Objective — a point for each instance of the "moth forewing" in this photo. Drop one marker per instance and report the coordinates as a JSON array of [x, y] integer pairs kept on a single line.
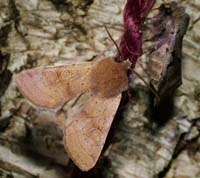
[[85, 131], [85, 134], [50, 87]]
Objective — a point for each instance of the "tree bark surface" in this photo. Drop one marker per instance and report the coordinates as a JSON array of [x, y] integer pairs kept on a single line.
[[49, 32]]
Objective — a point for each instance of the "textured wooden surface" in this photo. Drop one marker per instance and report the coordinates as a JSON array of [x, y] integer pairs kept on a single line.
[[43, 32]]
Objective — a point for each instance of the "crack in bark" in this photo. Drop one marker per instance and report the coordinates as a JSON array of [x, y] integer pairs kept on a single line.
[[182, 145], [5, 74]]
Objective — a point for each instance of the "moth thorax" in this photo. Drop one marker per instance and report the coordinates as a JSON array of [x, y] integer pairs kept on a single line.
[[109, 78]]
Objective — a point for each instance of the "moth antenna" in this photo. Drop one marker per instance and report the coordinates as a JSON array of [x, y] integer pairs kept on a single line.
[[110, 36], [147, 84]]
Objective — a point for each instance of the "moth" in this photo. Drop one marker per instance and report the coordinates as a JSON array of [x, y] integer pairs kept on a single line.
[[86, 130]]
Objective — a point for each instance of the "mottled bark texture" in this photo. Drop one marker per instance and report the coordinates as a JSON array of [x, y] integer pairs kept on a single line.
[[145, 141]]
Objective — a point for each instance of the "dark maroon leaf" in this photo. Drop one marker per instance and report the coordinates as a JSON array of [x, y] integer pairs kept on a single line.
[[135, 12]]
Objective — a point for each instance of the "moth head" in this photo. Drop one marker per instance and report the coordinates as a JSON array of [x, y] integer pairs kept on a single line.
[[110, 78]]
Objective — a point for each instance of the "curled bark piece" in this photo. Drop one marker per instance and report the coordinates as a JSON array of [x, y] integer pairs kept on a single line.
[[164, 66]]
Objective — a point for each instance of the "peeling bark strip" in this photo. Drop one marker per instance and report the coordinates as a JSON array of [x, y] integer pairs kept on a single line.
[[164, 66]]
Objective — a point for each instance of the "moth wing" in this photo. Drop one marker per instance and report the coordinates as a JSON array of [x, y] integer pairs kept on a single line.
[[51, 87], [86, 131]]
